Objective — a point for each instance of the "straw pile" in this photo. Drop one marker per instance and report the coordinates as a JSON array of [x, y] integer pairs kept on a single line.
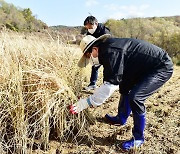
[[39, 78]]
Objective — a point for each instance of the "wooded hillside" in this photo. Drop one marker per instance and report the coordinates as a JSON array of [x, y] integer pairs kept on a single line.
[[162, 31], [18, 19]]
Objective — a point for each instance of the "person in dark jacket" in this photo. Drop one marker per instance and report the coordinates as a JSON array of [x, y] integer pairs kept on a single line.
[[95, 29], [138, 67]]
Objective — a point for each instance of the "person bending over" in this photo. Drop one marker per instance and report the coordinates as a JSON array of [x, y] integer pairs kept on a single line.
[[137, 67]]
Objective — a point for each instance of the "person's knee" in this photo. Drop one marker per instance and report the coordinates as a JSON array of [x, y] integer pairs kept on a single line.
[[137, 104], [133, 97]]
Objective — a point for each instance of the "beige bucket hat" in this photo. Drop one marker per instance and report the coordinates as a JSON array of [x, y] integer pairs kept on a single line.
[[85, 44]]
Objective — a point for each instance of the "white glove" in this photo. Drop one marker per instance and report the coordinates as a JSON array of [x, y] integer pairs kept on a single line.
[[102, 93], [79, 106]]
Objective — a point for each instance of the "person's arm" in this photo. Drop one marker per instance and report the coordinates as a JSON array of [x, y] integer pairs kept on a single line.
[[104, 30], [100, 95], [113, 64], [107, 30]]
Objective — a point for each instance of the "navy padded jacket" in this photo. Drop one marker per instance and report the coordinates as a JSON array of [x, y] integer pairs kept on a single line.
[[127, 60]]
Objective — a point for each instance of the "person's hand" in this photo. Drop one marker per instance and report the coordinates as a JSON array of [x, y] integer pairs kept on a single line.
[[73, 109], [79, 106]]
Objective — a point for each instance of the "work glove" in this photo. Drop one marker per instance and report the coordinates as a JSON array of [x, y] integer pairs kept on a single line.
[[79, 106], [102, 93]]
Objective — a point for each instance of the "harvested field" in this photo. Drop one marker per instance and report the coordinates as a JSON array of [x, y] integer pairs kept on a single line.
[[39, 78]]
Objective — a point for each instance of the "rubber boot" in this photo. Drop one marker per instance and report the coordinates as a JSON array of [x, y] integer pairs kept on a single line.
[[124, 111], [138, 132]]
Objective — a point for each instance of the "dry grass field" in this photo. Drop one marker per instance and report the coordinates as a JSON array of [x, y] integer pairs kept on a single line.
[[39, 78]]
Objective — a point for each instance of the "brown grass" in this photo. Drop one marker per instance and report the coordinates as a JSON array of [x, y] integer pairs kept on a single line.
[[39, 79]]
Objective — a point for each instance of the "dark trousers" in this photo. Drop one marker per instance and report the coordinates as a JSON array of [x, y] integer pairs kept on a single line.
[[94, 74], [146, 87]]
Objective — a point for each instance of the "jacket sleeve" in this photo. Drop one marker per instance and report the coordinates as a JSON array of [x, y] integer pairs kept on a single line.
[[107, 30], [114, 66], [101, 94]]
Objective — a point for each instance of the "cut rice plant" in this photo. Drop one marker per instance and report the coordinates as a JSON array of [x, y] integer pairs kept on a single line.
[[39, 78]]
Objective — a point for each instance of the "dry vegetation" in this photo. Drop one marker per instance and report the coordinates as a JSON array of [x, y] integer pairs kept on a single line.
[[39, 78]]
